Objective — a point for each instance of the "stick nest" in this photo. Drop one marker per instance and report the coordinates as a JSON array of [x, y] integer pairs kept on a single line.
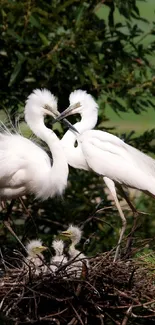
[[108, 293]]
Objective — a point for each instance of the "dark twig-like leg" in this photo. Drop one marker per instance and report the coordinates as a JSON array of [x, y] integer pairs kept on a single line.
[[7, 222], [125, 196], [7, 225], [9, 210], [135, 223], [110, 184]]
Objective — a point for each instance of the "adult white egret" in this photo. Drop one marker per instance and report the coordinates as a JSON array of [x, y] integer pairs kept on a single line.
[[59, 258], [25, 167], [106, 154], [74, 233], [35, 258]]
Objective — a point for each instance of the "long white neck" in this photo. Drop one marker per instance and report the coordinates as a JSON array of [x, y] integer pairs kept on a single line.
[[74, 154], [73, 252], [58, 172]]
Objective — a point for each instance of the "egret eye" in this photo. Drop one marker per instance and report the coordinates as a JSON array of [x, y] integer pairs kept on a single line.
[[75, 144]]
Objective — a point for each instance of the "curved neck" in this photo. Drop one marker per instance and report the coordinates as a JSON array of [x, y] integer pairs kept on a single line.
[[48, 136], [74, 155], [58, 173], [59, 252], [73, 251]]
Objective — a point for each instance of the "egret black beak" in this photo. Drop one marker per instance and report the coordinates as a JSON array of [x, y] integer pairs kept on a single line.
[[56, 116], [68, 111], [69, 125]]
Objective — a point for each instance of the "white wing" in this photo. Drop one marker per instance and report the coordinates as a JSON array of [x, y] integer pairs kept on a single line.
[[22, 164], [109, 156], [18, 152]]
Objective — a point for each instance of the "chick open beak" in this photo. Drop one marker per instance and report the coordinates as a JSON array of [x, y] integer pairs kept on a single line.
[[65, 234], [42, 248], [56, 116], [68, 111]]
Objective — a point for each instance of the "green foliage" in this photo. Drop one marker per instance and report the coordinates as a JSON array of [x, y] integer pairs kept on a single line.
[[65, 45], [147, 259]]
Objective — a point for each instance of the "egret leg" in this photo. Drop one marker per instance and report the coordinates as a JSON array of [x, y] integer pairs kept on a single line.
[[132, 207], [111, 186], [24, 207], [135, 215], [3, 204], [9, 210], [8, 226], [7, 223], [125, 196]]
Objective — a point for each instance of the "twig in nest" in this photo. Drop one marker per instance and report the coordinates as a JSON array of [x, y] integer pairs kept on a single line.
[[114, 321], [73, 321], [77, 315], [127, 315]]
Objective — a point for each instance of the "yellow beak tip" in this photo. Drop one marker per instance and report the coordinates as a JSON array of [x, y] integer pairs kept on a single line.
[[43, 248]]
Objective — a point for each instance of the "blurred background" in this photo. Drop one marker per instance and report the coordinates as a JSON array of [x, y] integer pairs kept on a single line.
[[129, 121], [106, 48]]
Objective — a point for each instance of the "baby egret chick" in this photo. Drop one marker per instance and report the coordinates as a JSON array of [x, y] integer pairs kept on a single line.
[[59, 258], [74, 233], [35, 258]]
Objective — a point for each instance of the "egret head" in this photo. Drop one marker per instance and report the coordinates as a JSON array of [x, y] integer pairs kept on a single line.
[[41, 102], [73, 233], [58, 246], [35, 247], [80, 102]]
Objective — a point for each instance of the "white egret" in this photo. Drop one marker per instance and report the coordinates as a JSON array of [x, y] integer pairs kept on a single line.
[[25, 167], [74, 233], [106, 154], [35, 258], [59, 258]]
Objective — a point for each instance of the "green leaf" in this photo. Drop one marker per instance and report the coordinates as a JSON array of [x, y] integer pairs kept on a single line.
[[66, 4], [35, 22], [3, 116], [25, 130], [57, 127], [44, 39], [16, 70], [79, 15]]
